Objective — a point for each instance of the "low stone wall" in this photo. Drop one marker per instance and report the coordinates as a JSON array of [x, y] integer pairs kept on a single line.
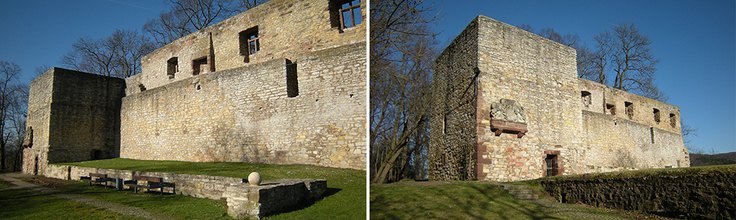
[[243, 200], [699, 193]]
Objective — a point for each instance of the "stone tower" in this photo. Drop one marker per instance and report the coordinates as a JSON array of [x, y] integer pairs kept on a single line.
[[509, 106]]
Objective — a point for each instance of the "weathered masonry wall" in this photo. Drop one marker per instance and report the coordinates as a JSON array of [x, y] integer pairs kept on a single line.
[[286, 29], [245, 114], [693, 193], [74, 116], [453, 136], [624, 105], [539, 76], [508, 106], [613, 143]]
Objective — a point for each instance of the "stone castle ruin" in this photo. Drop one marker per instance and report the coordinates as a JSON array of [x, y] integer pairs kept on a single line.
[[281, 83], [509, 106]]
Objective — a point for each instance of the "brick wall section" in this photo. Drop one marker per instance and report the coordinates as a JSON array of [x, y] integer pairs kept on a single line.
[[72, 114], [541, 77], [245, 115], [453, 136], [278, 22]]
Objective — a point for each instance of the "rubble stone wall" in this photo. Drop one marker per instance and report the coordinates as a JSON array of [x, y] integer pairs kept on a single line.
[[544, 115], [286, 29], [74, 117], [245, 114]]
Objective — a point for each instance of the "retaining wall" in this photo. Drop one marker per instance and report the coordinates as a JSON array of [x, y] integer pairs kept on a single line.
[[243, 200]]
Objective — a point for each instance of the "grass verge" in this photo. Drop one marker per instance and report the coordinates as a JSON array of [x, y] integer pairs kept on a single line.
[[30, 204], [345, 197]]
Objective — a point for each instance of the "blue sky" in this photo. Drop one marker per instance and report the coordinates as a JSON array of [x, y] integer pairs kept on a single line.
[[40, 32], [695, 41]]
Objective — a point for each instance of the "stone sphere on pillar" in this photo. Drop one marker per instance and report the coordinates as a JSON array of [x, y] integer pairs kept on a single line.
[[254, 179]]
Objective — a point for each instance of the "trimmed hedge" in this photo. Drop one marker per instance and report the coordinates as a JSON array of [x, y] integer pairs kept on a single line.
[[696, 192]]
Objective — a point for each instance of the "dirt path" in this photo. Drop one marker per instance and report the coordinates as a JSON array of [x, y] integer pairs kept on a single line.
[[110, 206]]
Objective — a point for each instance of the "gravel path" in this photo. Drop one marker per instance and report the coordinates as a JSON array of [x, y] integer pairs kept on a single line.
[[114, 207]]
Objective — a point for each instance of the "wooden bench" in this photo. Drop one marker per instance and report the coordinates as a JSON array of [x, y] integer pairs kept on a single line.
[[96, 178], [151, 183]]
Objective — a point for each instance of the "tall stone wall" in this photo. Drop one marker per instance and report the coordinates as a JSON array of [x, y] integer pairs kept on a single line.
[[508, 106], [286, 29], [453, 137], [540, 76], [74, 117], [246, 115]]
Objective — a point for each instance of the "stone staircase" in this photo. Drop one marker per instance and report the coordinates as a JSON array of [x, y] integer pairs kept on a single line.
[[520, 192]]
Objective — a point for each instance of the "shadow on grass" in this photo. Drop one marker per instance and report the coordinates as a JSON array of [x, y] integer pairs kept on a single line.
[[455, 201], [305, 204]]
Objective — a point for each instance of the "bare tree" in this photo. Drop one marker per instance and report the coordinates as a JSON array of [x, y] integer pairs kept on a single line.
[[187, 16], [40, 70], [402, 51], [117, 55], [9, 73], [16, 124], [688, 133]]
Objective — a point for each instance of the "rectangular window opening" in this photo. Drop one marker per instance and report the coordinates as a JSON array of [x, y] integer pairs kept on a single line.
[[656, 115], [587, 100], [651, 133], [345, 13], [199, 65], [249, 42], [610, 109], [629, 109], [673, 120], [172, 67], [292, 85]]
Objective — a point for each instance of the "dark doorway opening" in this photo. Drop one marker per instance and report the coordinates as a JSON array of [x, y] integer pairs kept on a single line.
[[35, 166], [552, 166], [96, 154]]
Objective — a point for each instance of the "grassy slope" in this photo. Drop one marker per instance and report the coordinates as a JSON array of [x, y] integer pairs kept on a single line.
[[345, 197], [30, 204], [461, 200]]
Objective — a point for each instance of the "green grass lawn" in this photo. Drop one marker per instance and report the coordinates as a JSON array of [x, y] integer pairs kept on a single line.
[[30, 204], [468, 200], [345, 197], [461, 200]]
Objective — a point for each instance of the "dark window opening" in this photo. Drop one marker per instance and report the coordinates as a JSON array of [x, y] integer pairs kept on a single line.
[[673, 120], [629, 109], [142, 87], [172, 67], [249, 42], [656, 115], [96, 154], [345, 13], [292, 85], [610, 109], [199, 65], [587, 100], [651, 133]]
